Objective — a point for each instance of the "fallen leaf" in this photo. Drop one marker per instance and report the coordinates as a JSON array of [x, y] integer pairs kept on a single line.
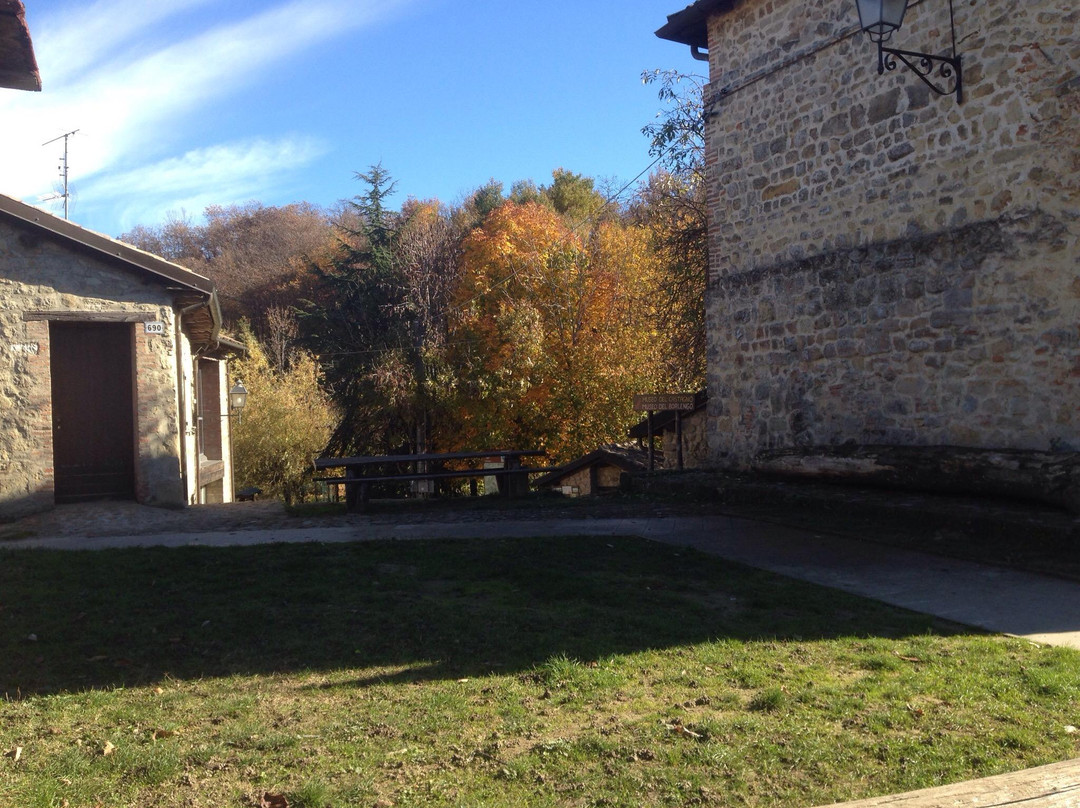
[[31, 637], [15, 754], [162, 733], [906, 658], [97, 658], [159, 690], [273, 801], [1071, 729], [462, 681], [108, 749]]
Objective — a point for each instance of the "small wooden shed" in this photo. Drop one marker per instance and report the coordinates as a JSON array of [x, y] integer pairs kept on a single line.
[[595, 473]]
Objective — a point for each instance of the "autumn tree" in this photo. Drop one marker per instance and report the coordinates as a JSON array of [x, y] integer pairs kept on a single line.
[[671, 210], [286, 423], [379, 324], [672, 206], [258, 257], [551, 331]]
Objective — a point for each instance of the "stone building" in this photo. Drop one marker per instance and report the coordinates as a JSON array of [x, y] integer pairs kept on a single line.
[[112, 372], [887, 265]]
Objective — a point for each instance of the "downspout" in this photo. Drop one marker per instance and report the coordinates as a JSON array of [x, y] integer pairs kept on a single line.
[[228, 424], [700, 55]]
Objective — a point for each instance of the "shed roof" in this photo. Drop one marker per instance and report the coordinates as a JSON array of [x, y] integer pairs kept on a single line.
[[18, 67], [627, 458], [689, 26]]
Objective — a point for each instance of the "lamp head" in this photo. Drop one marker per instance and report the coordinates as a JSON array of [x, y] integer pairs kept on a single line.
[[238, 396], [879, 18]]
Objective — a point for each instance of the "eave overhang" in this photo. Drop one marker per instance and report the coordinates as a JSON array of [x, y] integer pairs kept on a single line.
[[18, 66], [103, 246], [690, 26]]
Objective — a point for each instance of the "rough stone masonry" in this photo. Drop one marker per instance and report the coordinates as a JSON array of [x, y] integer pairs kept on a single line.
[[889, 266], [38, 274]]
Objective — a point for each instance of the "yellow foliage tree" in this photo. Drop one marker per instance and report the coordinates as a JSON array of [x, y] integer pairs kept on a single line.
[[286, 423]]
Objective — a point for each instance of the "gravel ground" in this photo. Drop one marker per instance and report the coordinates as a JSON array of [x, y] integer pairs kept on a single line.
[[130, 518], [119, 518]]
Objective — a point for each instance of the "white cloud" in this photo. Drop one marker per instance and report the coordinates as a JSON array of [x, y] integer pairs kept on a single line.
[[221, 174], [133, 76]]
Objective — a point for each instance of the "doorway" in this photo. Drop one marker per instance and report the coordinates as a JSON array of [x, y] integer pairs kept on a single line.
[[93, 411]]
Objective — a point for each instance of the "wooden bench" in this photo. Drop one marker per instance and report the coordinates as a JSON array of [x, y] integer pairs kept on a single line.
[[362, 472], [1056, 785]]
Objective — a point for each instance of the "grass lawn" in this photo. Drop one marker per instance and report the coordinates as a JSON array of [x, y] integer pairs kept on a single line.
[[581, 672]]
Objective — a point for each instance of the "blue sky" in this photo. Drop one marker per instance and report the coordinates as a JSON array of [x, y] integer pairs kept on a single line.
[[185, 103]]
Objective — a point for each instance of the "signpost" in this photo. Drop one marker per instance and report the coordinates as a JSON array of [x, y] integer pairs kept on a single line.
[[653, 402]]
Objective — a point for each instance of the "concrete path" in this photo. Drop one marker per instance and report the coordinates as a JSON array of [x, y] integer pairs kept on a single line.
[[1042, 609]]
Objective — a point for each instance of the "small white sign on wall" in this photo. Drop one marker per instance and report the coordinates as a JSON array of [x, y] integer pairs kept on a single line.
[[154, 327], [32, 348]]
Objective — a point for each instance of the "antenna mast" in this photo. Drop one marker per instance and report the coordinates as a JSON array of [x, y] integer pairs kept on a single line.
[[63, 167]]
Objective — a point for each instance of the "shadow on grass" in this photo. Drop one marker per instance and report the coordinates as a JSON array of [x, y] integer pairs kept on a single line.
[[439, 609]]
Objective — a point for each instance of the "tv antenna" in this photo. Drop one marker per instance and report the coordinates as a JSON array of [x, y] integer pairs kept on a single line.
[[63, 169]]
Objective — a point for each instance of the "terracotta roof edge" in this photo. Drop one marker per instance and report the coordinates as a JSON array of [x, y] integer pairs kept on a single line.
[[689, 26]]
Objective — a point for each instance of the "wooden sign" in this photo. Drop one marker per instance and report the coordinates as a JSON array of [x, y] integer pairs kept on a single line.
[[654, 402]]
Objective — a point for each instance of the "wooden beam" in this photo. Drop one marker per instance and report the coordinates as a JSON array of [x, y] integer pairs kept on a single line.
[[1054, 786], [71, 316]]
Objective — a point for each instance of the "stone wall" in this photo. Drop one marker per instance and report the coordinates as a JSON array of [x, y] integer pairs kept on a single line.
[[579, 483], [37, 273], [888, 266], [694, 439]]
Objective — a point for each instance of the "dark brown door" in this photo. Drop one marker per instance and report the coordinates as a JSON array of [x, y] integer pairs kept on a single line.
[[93, 418]]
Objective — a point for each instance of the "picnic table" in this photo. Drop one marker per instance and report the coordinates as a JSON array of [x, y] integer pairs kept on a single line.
[[360, 473]]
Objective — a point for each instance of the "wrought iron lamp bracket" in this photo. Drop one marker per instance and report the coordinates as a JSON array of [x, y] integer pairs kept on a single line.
[[928, 67]]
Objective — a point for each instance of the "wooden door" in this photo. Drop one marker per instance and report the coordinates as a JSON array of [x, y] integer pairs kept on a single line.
[[93, 411]]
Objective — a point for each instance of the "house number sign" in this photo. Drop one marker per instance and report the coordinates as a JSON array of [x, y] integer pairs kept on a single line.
[[155, 328]]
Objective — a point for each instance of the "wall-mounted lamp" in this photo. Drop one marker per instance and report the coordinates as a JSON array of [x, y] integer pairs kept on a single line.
[[879, 18], [238, 399]]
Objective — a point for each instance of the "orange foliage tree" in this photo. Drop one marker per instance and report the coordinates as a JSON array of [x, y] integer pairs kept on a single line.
[[552, 332]]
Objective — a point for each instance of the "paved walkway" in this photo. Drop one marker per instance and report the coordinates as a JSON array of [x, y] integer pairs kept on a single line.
[[1040, 608]]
